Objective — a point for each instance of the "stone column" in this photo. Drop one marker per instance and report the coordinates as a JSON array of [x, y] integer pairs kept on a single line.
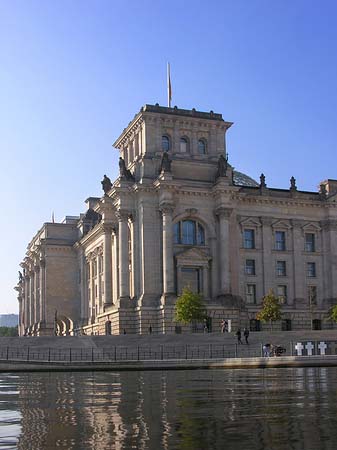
[[31, 295], [115, 285], [124, 290], [267, 261], [224, 214], [107, 257], [26, 304], [205, 287], [42, 290], [298, 247], [92, 300], [36, 293], [168, 267], [214, 268]]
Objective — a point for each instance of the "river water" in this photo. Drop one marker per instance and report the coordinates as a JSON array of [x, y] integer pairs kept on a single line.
[[255, 409]]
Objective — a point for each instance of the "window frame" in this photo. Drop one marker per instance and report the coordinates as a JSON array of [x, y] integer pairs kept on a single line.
[[198, 233], [250, 269], [280, 244], [311, 269], [187, 142], [166, 138], [278, 270], [245, 240], [310, 247], [202, 141], [249, 295], [282, 297]]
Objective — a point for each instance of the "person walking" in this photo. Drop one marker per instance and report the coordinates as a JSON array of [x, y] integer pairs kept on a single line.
[[246, 335], [238, 335]]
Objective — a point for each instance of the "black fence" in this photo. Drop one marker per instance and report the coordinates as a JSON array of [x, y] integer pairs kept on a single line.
[[139, 353], [165, 352]]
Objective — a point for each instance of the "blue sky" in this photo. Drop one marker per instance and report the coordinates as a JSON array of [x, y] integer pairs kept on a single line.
[[74, 73]]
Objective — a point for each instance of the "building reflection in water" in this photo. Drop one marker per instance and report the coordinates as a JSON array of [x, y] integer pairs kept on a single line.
[[255, 409]]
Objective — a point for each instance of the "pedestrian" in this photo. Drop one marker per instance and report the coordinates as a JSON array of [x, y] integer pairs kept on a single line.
[[246, 334], [150, 329], [266, 350], [222, 326], [238, 335]]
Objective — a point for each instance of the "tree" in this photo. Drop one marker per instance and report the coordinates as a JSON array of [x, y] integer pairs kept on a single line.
[[8, 331], [189, 307], [333, 314], [271, 309]]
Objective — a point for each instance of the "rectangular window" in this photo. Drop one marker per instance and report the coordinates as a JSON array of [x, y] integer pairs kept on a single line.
[[282, 294], [249, 239], [251, 294], [281, 268], [312, 295], [311, 269], [309, 242], [280, 240], [250, 267]]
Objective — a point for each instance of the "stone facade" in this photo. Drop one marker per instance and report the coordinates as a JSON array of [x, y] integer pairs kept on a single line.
[[179, 215]]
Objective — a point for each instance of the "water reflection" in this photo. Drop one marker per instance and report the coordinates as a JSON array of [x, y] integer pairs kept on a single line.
[[233, 409]]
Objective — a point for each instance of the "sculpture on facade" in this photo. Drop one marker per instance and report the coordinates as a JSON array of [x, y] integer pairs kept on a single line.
[[124, 173], [165, 163], [20, 277], [222, 167], [293, 186], [262, 181], [106, 184]]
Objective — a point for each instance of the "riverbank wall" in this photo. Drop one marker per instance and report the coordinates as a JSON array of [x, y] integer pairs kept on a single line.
[[227, 363]]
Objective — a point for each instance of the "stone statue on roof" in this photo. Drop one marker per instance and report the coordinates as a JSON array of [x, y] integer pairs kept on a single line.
[[106, 184], [222, 167], [293, 186], [124, 173], [262, 181], [165, 163]]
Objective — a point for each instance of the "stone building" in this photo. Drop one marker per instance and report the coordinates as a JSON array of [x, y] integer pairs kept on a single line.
[[179, 215]]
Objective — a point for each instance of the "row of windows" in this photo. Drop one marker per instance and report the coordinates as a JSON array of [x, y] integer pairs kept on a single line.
[[280, 240], [281, 293], [255, 325], [184, 145], [281, 268]]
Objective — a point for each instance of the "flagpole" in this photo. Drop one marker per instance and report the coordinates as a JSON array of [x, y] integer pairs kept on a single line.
[[169, 89]]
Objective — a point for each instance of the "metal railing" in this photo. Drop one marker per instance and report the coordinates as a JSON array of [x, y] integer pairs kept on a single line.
[[136, 353], [156, 352]]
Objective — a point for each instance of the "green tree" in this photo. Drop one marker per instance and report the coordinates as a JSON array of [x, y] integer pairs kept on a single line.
[[271, 309], [189, 307], [8, 331], [333, 314]]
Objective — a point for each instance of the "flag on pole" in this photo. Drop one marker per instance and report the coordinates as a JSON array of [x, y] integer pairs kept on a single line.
[[52, 217], [169, 89]]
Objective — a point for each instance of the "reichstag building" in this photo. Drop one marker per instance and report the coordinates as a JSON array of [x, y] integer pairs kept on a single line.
[[180, 215]]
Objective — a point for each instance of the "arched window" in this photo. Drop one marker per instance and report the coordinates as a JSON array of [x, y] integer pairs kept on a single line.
[[183, 145], [165, 143], [188, 232], [202, 147]]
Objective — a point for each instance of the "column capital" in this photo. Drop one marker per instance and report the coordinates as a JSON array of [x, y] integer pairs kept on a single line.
[[222, 211], [266, 221], [123, 215], [166, 208], [297, 223], [329, 224]]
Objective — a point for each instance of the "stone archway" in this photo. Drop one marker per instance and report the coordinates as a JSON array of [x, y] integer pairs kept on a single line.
[[64, 326]]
